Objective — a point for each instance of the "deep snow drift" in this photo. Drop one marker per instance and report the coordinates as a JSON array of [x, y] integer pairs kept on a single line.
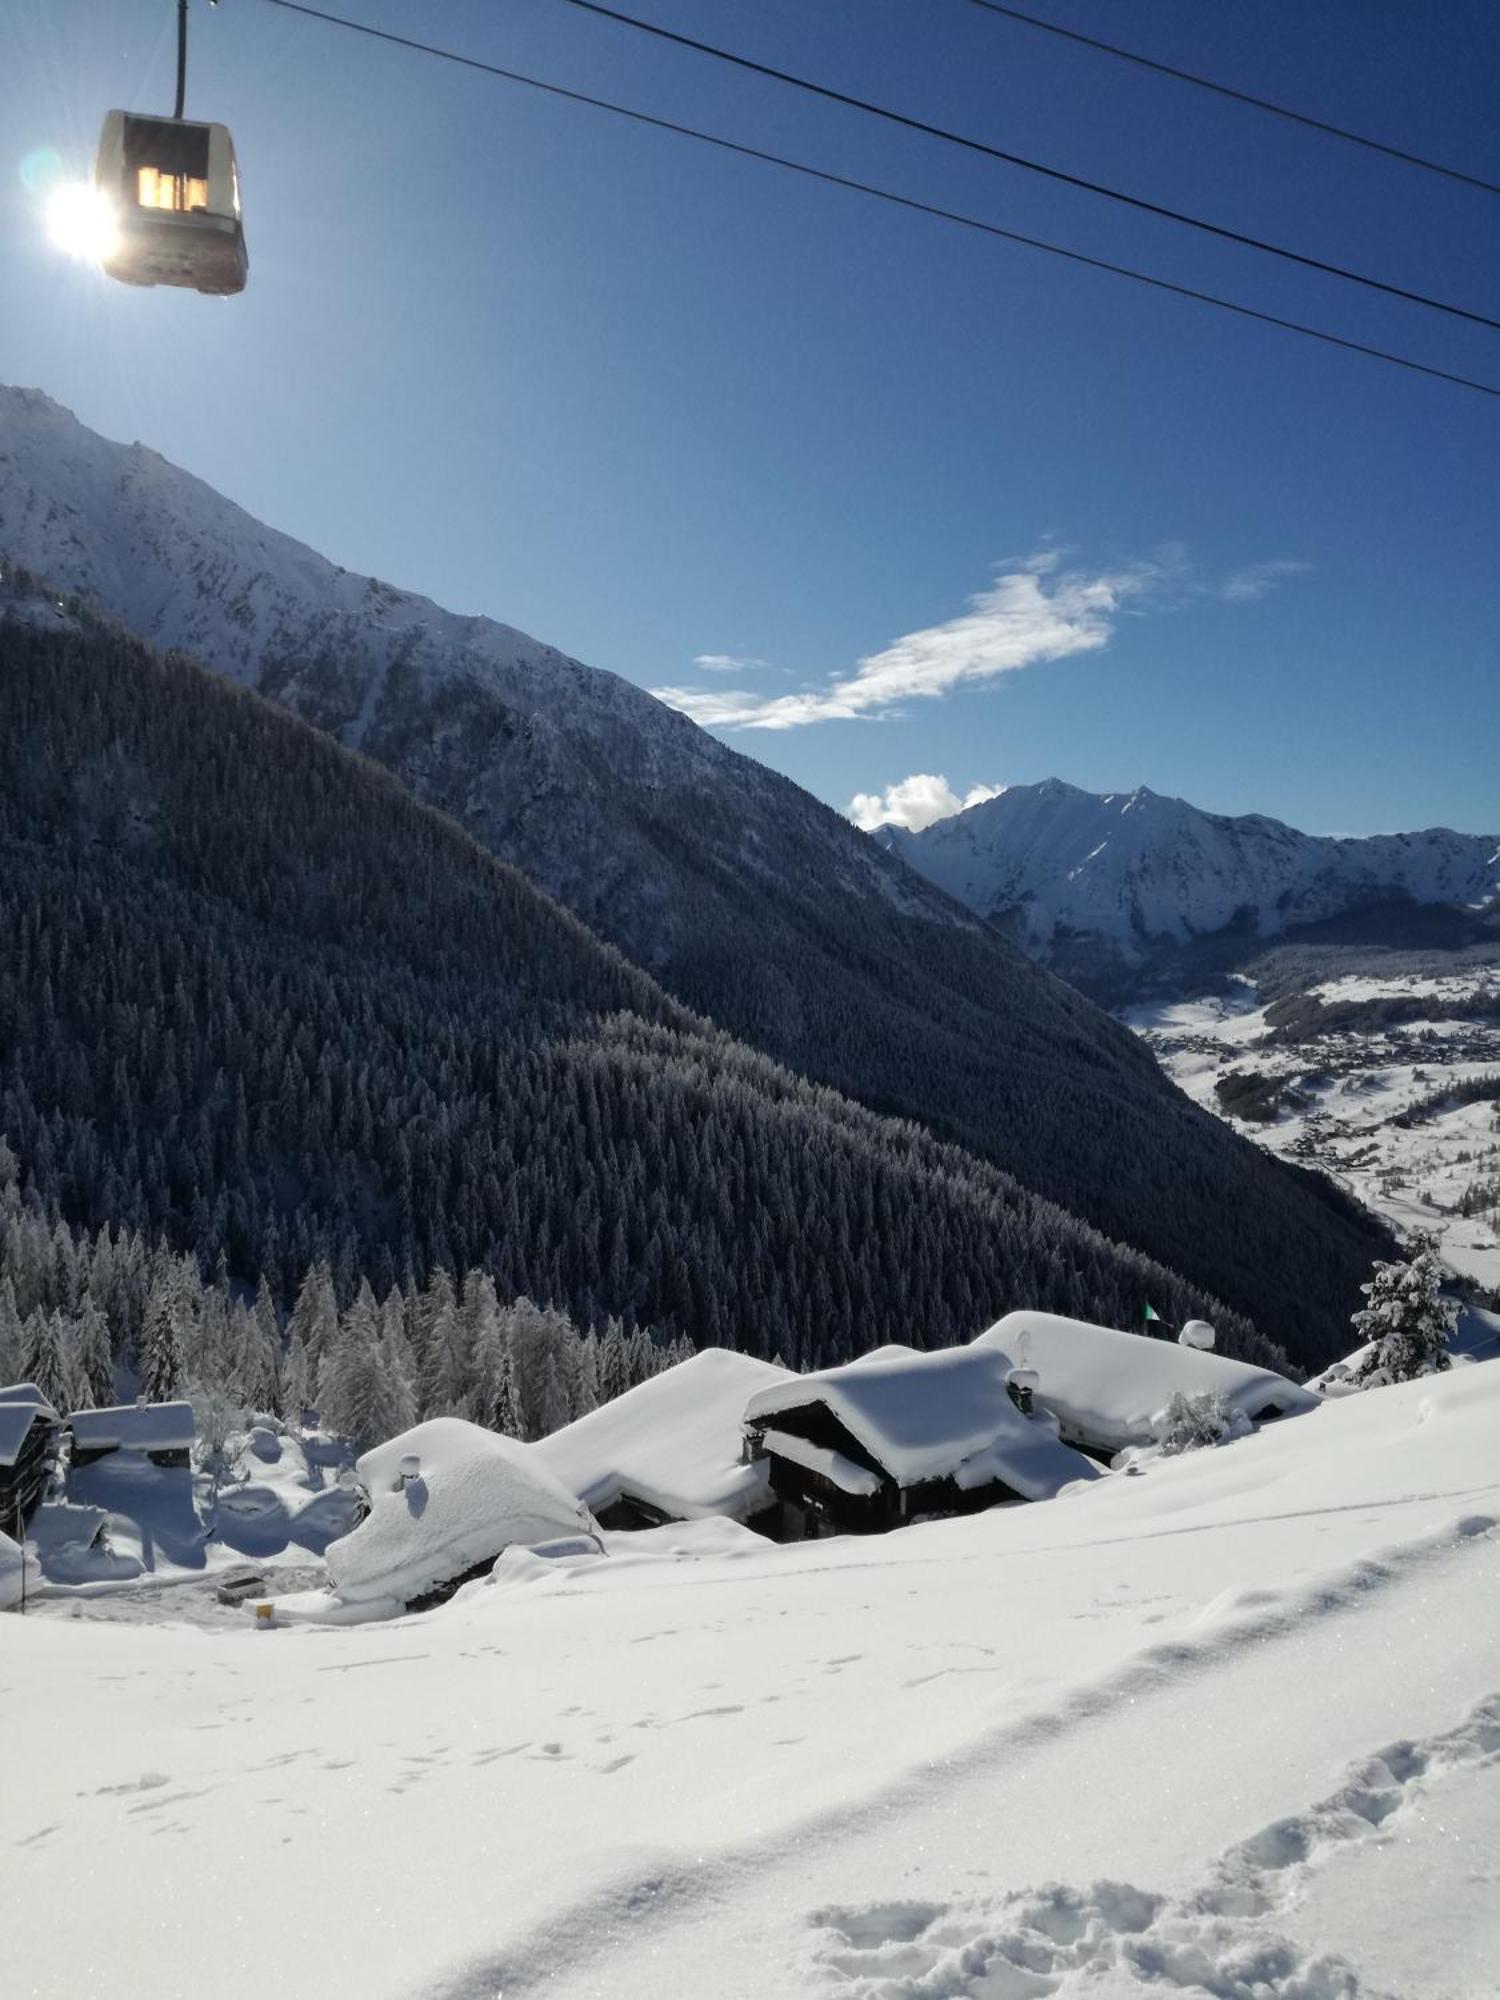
[[1226, 1727]]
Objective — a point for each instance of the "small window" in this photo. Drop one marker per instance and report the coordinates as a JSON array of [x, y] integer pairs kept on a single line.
[[182, 192]]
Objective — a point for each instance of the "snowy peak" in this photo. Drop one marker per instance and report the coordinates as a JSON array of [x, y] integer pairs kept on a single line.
[[1135, 868]]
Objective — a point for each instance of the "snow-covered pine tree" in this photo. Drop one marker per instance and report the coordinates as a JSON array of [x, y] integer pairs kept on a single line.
[[91, 1355], [260, 1351], [45, 1359], [443, 1371], [10, 1329], [492, 1388], [314, 1323], [364, 1392], [398, 1409], [1407, 1319], [162, 1362]]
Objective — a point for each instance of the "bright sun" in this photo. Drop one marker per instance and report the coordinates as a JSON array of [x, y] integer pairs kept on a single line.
[[81, 220]]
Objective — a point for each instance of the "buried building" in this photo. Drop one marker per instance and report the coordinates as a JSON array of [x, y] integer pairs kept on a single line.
[[29, 1433], [1108, 1389], [899, 1436], [670, 1449], [446, 1498]]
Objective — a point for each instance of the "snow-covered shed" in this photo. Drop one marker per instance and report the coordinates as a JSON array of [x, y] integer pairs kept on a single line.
[[446, 1498], [163, 1431], [1106, 1388], [898, 1435], [672, 1448], [29, 1429]]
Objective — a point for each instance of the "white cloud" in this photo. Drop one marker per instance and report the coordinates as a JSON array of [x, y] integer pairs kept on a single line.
[[1258, 579], [915, 802], [1032, 613], [728, 663]]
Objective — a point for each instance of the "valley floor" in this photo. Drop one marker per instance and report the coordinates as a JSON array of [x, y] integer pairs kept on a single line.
[[1228, 1727], [1345, 1089]]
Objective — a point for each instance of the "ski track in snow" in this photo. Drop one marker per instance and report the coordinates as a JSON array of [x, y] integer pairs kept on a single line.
[[1061, 1940], [1108, 1939]]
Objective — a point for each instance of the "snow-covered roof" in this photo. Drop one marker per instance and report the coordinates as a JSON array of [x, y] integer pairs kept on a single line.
[[934, 1416], [20, 1406], [136, 1426], [1106, 1386], [474, 1495], [674, 1441]]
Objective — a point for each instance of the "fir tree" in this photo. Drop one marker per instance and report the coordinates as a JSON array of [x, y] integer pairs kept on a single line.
[[1406, 1318], [91, 1354], [162, 1360]]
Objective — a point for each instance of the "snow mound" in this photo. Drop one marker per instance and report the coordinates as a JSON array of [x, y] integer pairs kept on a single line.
[[473, 1495], [1106, 1388], [673, 1442], [932, 1416]]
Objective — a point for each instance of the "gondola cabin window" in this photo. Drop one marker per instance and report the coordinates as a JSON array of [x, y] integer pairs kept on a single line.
[[167, 165], [154, 189]]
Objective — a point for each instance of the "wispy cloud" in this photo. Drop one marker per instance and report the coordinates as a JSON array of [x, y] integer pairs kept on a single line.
[[1030, 614], [915, 802], [728, 663], [1259, 579]]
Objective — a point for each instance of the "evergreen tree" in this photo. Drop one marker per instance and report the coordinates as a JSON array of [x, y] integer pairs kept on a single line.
[[45, 1360], [162, 1363], [92, 1357], [1407, 1319], [10, 1330]]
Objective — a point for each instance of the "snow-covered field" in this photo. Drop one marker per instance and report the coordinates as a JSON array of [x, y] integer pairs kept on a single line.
[[1350, 1084], [1228, 1727]]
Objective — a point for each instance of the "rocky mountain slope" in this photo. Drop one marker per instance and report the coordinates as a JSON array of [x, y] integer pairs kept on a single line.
[[1132, 872], [746, 898]]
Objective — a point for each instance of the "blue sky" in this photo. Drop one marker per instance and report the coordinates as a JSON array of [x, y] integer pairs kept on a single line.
[[660, 406]]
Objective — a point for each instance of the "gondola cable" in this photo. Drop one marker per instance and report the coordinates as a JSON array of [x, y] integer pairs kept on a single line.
[[182, 28], [1240, 96], [908, 202], [1006, 158]]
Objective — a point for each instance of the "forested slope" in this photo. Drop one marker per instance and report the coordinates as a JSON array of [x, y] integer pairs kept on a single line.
[[258, 998]]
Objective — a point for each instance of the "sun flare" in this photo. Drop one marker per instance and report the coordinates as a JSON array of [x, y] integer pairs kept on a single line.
[[81, 221]]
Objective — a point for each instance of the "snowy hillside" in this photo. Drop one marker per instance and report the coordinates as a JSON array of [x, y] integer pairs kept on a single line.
[[1228, 1728], [1130, 869]]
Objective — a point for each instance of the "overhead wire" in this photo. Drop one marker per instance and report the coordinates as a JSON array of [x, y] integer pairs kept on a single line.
[[1239, 96], [1007, 158], [907, 202]]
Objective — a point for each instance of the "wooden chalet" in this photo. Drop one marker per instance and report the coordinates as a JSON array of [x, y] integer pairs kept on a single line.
[[901, 1436], [30, 1431]]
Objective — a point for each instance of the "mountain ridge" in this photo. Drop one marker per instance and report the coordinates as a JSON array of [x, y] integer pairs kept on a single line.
[[1056, 865]]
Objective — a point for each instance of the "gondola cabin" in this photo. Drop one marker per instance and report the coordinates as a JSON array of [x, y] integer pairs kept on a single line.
[[175, 191]]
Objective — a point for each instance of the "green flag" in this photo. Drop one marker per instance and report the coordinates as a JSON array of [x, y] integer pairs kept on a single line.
[[1151, 1313]]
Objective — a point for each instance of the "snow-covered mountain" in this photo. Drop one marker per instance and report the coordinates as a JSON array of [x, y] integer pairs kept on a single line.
[[501, 730], [1132, 870], [747, 898]]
